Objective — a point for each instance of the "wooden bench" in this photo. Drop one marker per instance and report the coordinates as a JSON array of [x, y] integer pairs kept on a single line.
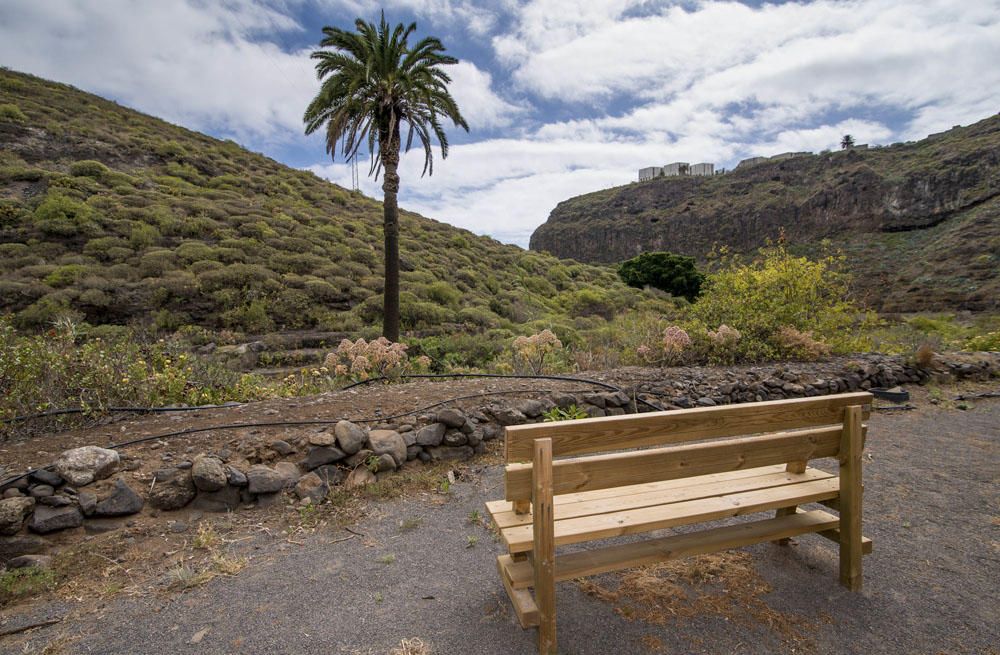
[[749, 458]]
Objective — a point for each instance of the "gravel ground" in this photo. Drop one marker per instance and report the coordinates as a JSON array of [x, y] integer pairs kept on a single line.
[[931, 585]]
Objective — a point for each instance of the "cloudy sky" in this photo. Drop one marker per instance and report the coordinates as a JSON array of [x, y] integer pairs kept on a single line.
[[562, 97]]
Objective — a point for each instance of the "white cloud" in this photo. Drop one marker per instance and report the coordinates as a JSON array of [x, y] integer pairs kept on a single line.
[[482, 108]]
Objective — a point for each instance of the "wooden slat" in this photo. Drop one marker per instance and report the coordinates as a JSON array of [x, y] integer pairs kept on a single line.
[[500, 506], [717, 487], [833, 534], [543, 557], [601, 434], [524, 605], [850, 500], [618, 469], [651, 551], [588, 528]]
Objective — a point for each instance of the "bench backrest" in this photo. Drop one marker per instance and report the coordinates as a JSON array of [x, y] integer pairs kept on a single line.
[[741, 436]]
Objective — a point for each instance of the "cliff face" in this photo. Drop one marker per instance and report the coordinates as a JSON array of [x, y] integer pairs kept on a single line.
[[913, 200]]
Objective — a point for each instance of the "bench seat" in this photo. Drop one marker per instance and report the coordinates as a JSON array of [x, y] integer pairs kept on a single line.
[[607, 513]]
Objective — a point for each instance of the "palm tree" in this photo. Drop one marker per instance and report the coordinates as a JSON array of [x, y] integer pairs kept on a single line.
[[847, 142], [372, 83]]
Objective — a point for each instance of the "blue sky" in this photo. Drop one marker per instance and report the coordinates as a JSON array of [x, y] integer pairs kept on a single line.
[[562, 97]]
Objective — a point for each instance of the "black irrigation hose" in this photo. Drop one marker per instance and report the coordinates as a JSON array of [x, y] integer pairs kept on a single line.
[[116, 410]]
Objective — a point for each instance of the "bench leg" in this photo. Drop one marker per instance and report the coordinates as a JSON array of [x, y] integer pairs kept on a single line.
[[792, 467], [850, 500], [544, 551]]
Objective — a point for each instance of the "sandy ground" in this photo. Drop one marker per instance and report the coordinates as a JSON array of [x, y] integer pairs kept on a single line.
[[423, 566]]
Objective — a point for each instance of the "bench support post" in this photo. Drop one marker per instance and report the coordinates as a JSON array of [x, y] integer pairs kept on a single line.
[[850, 500], [792, 467], [544, 551]]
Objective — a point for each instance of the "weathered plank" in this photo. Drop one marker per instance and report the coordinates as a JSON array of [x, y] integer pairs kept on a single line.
[[544, 550], [524, 605], [850, 501], [606, 471], [588, 528], [593, 435], [642, 553]]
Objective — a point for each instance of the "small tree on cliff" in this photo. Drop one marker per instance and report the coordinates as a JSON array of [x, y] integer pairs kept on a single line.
[[372, 83], [675, 274], [847, 142]]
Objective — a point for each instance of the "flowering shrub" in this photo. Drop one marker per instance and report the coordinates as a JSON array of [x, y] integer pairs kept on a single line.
[[793, 344], [361, 360], [530, 353], [670, 350], [723, 345]]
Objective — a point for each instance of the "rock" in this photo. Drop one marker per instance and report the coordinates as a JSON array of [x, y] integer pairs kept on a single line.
[[359, 477], [331, 474], [412, 452], [224, 500], [563, 400], [531, 408], [509, 416], [350, 437], [12, 493], [101, 526], [30, 562], [172, 489], [57, 500], [452, 418], [389, 442], [325, 438], [235, 477], [359, 458], [21, 483], [87, 502], [208, 474], [593, 411], [312, 487], [51, 519], [595, 399], [616, 399], [474, 438], [81, 466], [22, 544], [43, 476], [705, 401], [423, 456], [321, 455], [122, 501], [265, 480], [385, 462], [40, 490], [491, 432], [454, 438], [289, 471], [283, 448], [409, 438], [439, 453], [13, 511], [431, 435]]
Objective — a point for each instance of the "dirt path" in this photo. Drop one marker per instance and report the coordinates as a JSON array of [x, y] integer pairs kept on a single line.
[[422, 569]]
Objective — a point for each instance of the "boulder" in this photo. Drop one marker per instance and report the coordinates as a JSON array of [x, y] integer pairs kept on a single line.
[[412, 452], [235, 477], [452, 418], [80, 466], [122, 501], [563, 400], [359, 458], [42, 476], [331, 474], [87, 501], [455, 438], [359, 477], [491, 431], [289, 471], [40, 490], [30, 562], [208, 473], [531, 408], [385, 462], [312, 487], [324, 438], [440, 453], [320, 456], [58, 500], [283, 448], [350, 437], [22, 544], [172, 489], [264, 480], [51, 519], [389, 442], [224, 500], [509, 416], [431, 435], [13, 511]]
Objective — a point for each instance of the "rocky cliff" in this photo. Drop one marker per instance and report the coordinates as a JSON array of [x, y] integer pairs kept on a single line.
[[920, 222]]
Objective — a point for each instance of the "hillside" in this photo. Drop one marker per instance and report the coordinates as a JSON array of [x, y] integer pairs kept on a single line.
[[115, 217], [920, 222]]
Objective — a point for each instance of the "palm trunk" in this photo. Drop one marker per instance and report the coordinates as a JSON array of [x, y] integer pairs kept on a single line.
[[389, 145]]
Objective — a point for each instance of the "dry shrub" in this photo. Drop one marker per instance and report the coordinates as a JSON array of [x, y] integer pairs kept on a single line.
[[531, 352], [719, 585], [414, 646], [801, 346], [924, 357]]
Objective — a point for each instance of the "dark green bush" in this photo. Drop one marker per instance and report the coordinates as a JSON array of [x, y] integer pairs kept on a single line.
[[675, 274], [88, 168]]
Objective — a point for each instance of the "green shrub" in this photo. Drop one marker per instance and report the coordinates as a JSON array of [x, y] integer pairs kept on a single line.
[[985, 342], [675, 274], [11, 113], [88, 168], [60, 215]]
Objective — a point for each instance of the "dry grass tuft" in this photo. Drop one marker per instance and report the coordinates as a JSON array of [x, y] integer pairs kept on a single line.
[[414, 646], [720, 585]]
